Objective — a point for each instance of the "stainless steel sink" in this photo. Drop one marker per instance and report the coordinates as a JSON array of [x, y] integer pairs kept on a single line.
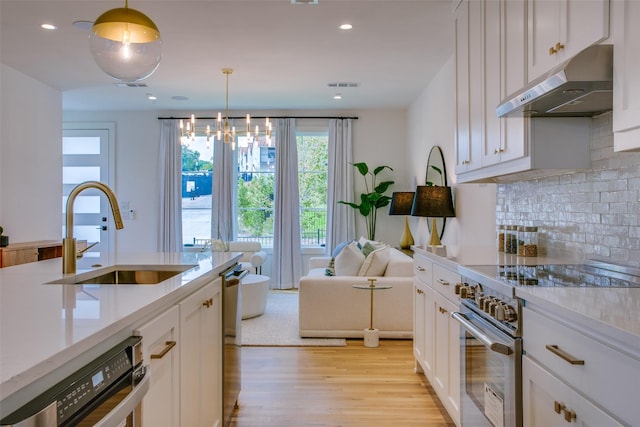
[[125, 275]]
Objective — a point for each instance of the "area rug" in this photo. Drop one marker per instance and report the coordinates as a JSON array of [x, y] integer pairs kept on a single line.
[[278, 326]]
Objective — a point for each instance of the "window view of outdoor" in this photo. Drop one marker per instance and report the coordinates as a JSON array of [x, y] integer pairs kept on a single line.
[[255, 191], [197, 180]]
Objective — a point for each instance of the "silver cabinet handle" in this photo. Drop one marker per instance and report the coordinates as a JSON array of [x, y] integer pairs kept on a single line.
[[564, 355], [480, 336], [419, 268]]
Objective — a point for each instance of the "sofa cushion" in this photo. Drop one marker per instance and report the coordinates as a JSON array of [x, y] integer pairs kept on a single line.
[[349, 260], [376, 263]]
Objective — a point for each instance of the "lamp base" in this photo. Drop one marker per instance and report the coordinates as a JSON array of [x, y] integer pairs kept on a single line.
[[440, 250], [406, 240]]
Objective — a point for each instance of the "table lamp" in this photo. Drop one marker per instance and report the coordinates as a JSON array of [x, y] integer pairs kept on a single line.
[[435, 202], [401, 202]]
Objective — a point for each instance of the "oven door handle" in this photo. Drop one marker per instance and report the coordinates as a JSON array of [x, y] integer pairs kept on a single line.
[[127, 405], [480, 336]]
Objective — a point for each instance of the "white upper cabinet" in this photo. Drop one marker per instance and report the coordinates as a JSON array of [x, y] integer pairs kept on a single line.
[[505, 72], [560, 29], [626, 79]]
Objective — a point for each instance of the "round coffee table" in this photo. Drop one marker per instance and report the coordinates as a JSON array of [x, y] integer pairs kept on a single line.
[[255, 288]]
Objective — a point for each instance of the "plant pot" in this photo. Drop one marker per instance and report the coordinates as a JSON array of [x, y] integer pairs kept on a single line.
[[4, 241]]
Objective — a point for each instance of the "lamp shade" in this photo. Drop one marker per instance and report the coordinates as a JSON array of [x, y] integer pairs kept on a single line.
[[126, 44], [401, 202], [433, 201]]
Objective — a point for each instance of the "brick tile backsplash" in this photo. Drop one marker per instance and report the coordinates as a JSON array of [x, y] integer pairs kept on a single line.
[[591, 214]]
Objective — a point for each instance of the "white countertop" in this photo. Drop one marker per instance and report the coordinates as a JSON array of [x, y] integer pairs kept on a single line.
[[44, 326], [613, 313]]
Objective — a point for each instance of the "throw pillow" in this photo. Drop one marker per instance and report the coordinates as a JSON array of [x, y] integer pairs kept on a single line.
[[376, 262], [340, 247], [363, 241], [331, 269], [349, 260], [367, 249]]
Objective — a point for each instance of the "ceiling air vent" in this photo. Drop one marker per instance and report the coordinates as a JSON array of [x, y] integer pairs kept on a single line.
[[124, 84], [343, 84]]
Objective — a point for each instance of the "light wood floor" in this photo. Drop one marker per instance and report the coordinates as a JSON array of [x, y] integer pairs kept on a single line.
[[336, 386]]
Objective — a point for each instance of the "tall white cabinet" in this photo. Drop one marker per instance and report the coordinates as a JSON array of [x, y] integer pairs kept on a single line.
[[626, 79]]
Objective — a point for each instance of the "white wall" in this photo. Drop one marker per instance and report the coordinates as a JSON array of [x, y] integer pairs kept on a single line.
[[431, 121], [136, 173], [30, 158]]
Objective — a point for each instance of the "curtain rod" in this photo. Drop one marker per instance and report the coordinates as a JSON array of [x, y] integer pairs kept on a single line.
[[259, 117]]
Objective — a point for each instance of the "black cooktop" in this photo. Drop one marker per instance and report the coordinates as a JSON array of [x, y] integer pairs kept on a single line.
[[589, 274]]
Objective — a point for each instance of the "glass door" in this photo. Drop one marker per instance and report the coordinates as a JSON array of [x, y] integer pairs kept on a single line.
[[85, 157]]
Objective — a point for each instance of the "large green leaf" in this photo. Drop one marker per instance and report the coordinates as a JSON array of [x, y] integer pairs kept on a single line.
[[362, 168], [379, 169], [383, 186]]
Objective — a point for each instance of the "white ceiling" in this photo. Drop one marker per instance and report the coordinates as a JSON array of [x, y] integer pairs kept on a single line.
[[283, 55]]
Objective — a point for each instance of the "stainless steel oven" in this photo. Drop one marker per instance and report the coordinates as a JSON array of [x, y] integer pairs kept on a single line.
[[491, 355], [106, 393], [491, 362]]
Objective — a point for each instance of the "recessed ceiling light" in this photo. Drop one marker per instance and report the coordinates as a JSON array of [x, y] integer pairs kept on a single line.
[[337, 96], [151, 97], [48, 26], [346, 26], [180, 98]]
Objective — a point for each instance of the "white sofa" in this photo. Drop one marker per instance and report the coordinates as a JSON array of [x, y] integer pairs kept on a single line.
[[329, 306]]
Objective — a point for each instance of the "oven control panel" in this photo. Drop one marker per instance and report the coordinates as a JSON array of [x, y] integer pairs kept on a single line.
[[499, 309]]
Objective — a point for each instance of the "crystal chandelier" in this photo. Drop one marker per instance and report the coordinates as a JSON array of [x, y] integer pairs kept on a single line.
[[224, 131]]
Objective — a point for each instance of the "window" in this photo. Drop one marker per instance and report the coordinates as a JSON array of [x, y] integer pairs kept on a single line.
[[255, 188], [312, 182], [256, 179], [197, 184]]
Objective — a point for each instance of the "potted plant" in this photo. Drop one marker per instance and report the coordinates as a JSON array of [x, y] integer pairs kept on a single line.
[[374, 198], [4, 240]]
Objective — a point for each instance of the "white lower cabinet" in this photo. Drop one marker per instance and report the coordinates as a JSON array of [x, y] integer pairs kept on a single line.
[[548, 402], [436, 334], [160, 347], [183, 349], [201, 357], [573, 374]]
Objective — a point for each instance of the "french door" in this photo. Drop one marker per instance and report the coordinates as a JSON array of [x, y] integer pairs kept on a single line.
[[86, 156]]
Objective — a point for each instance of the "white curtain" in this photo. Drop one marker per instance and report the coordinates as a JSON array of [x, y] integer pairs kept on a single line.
[[170, 179], [341, 220], [224, 190], [287, 255]]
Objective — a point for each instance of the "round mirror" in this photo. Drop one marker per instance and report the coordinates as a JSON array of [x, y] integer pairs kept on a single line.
[[436, 175]]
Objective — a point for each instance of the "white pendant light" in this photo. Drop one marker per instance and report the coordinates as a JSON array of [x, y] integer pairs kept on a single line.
[[126, 44]]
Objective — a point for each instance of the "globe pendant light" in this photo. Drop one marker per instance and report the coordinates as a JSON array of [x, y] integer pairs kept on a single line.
[[126, 44]]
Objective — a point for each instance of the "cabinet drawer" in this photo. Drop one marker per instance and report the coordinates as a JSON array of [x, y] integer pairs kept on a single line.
[[605, 375], [547, 401], [444, 281], [422, 268]]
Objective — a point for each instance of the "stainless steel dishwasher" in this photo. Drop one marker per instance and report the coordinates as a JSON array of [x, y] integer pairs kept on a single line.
[[106, 392], [232, 340]]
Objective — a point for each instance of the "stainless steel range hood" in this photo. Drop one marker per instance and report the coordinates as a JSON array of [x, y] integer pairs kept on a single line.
[[581, 86]]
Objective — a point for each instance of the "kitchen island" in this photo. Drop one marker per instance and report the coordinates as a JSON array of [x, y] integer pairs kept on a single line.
[[47, 330]]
